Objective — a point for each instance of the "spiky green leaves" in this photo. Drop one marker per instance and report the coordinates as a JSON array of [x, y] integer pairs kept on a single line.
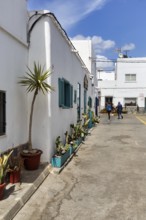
[[36, 79]]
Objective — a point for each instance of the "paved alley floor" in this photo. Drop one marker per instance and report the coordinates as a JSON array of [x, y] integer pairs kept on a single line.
[[106, 180]]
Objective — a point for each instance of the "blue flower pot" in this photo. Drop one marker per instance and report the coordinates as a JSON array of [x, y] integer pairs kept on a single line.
[[58, 161]]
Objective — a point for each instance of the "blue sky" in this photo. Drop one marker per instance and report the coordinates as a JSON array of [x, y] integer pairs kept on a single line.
[[111, 24]]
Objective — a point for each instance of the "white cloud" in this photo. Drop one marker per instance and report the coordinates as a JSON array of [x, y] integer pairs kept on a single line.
[[70, 12], [99, 44], [128, 47]]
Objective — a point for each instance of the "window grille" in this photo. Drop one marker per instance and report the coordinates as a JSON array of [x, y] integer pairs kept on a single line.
[[130, 77]]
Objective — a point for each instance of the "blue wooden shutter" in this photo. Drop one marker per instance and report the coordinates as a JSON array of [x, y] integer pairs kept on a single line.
[[61, 92], [2, 113], [71, 96], [90, 102], [75, 96]]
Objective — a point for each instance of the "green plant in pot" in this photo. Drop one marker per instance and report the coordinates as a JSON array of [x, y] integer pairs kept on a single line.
[[86, 122], [59, 147], [62, 153], [95, 119], [15, 165], [4, 166], [78, 131], [35, 81], [68, 138], [74, 131]]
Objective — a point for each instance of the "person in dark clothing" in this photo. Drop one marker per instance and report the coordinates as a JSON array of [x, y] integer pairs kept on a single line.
[[119, 110], [109, 108]]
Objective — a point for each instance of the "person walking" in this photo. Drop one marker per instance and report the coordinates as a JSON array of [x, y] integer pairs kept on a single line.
[[119, 110], [108, 109]]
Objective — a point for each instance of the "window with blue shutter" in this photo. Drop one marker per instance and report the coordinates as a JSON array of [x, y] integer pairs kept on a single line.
[[71, 96], [65, 93], [2, 113], [61, 92], [90, 102], [75, 96]]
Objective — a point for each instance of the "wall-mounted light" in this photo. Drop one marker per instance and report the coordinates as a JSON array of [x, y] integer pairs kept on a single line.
[[74, 51], [91, 76], [84, 67]]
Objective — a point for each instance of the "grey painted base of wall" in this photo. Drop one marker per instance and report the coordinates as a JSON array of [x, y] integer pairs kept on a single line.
[[133, 109]]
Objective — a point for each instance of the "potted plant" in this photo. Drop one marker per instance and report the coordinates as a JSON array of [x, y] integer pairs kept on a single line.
[[95, 119], [78, 132], [70, 143], [35, 81], [4, 166], [15, 165], [86, 122], [90, 116], [62, 153]]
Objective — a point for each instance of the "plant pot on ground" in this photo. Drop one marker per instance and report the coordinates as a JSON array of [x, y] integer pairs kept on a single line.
[[15, 165], [72, 144], [78, 132], [31, 159], [4, 166], [35, 80], [62, 153]]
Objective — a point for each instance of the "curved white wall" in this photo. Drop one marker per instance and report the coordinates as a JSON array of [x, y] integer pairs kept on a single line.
[[51, 121]]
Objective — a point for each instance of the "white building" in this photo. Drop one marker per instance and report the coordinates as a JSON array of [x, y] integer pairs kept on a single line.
[[85, 49], [39, 37], [129, 86], [50, 46], [14, 57]]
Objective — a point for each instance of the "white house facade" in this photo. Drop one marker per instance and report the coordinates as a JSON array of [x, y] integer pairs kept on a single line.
[[129, 86], [53, 113], [87, 53], [14, 57], [38, 36]]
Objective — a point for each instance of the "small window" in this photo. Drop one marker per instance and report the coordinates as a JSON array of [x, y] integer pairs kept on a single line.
[[130, 77], [2, 113], [130, 101], [65, 93], [75, 96]]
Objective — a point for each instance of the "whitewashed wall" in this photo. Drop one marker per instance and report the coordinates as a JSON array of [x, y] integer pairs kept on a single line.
[[103, 75], [13, 53], [87, 53], [49, 46], [13, 18], [84, 48], [132, 89]]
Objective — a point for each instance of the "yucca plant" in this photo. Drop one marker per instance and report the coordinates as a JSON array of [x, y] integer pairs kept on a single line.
[[35, 81], [4, 165]]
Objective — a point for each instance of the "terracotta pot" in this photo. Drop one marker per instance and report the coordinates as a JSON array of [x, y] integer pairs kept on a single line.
[[2, 188], [15, 176], [31, 160]]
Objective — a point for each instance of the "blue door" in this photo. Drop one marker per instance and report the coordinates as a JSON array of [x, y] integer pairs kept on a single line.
[[79, 102], [96, 105]]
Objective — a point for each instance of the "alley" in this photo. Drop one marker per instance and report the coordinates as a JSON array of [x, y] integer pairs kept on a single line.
[[106, 180]]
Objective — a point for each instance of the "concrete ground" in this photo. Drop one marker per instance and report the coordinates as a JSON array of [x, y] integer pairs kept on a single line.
[[16, 195], [106, 180]]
